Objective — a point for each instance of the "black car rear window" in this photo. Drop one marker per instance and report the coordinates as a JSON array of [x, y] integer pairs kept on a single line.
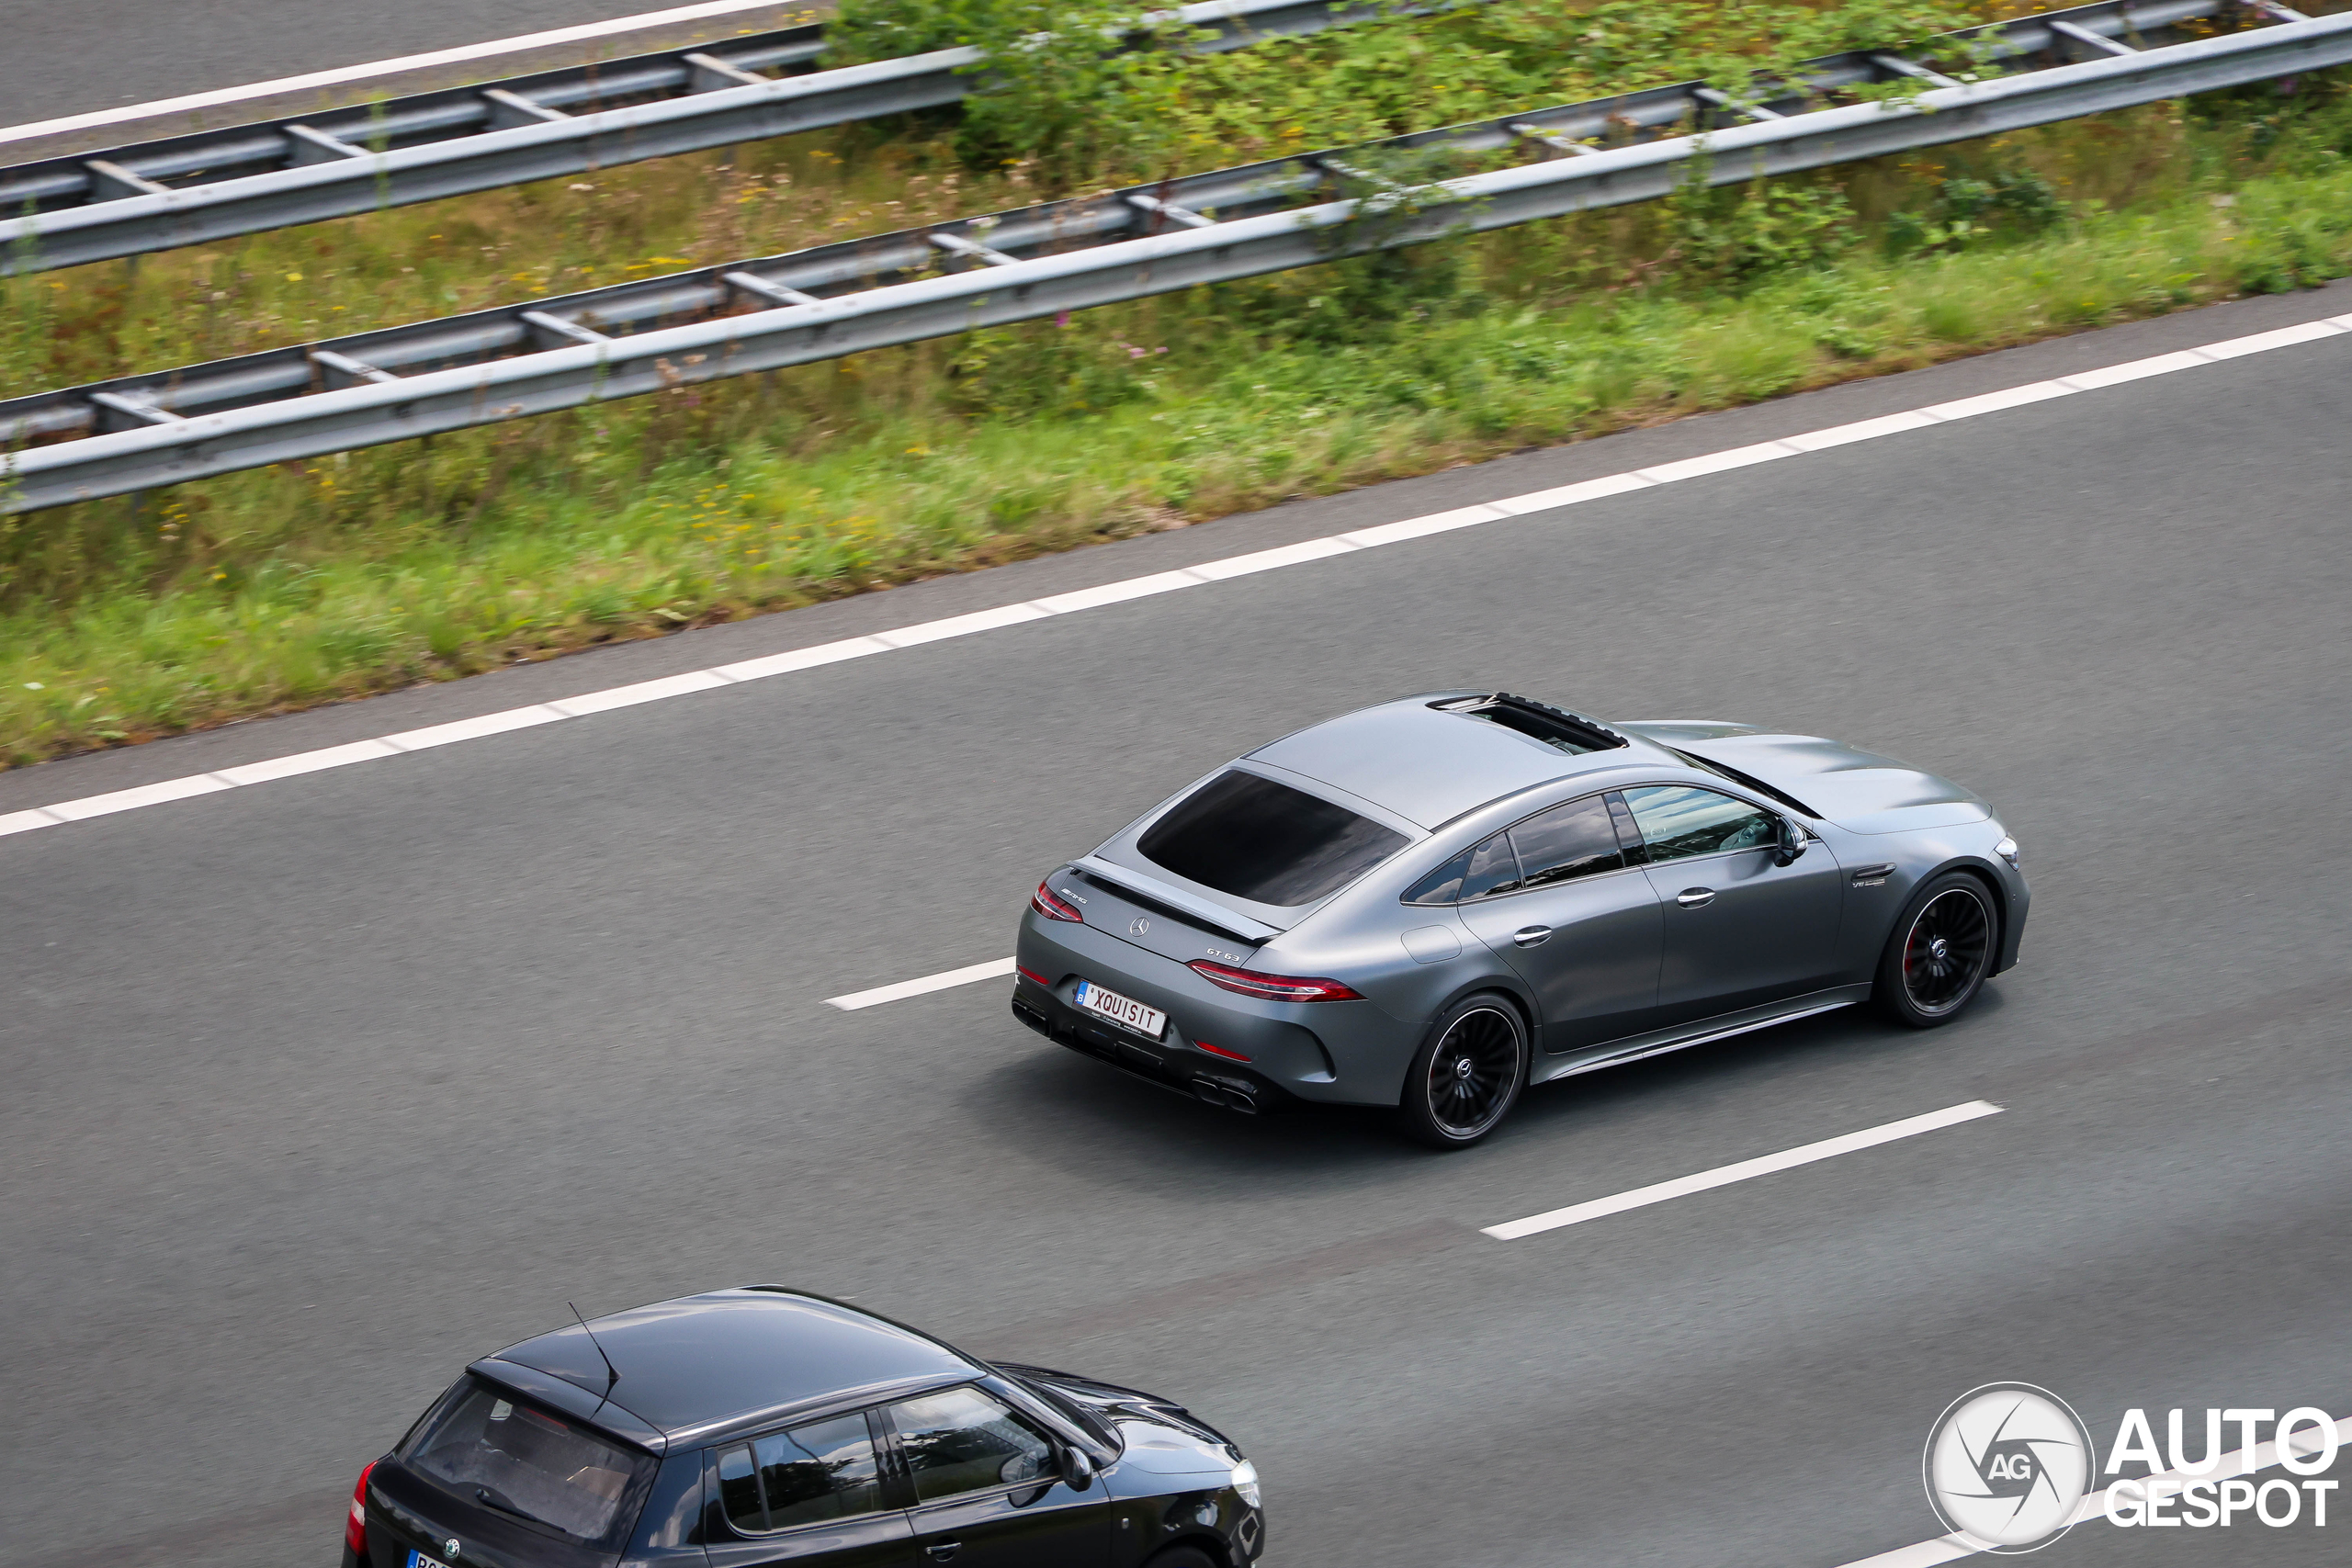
[[501, 1454], [1249, 836]]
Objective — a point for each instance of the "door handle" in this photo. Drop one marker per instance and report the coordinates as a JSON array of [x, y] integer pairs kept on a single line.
[[1695, 897], [940, 1551], [1531, 936]]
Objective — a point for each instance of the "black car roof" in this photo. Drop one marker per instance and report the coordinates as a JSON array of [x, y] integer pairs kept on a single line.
[[696, 1362]]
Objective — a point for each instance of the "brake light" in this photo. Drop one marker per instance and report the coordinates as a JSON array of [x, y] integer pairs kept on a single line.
[[1053, 909], [1272, 988], [354, 1525]]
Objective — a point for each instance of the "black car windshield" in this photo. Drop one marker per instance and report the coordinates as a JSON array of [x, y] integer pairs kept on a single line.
[[1249, 836], [1087, 1421], [498, 1453]]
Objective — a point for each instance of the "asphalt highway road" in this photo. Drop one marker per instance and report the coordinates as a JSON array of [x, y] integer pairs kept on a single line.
[[72, 57], [317, 1089]]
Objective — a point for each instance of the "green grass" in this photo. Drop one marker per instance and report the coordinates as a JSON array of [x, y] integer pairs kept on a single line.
[[560, 236], [285, 587]]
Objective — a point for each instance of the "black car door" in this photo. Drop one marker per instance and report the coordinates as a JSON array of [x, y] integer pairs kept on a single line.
[[988, 1487], [812, 1497], [1742, 929], [1557, 897]]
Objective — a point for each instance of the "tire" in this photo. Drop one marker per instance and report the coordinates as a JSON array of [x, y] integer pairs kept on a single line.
[[1467, 1074], [1939, 953]]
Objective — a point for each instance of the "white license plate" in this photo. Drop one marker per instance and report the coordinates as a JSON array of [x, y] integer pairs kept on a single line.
[[1149, 1022], [418, 1559]]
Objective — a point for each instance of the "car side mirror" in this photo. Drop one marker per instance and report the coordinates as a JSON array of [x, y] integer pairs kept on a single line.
[[1793, 839], [1078, 1469]]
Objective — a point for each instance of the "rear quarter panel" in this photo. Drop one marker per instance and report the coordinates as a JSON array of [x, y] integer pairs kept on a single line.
[[1366, 947]]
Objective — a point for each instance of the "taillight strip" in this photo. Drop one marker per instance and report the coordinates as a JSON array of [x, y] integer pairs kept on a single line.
[[1273, 987]]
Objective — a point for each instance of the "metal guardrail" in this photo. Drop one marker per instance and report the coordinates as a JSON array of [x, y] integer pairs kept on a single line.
[[212, 185], [556, 354]]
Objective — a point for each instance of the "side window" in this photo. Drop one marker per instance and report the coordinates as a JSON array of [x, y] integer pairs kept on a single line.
[[1677, 822], [808, 1475], [1569, 842], [961, 1440], [738, 1490], [1443, 885], [1494, 868]]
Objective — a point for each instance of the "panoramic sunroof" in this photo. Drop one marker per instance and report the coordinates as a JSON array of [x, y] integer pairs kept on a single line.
[[1571, 732]]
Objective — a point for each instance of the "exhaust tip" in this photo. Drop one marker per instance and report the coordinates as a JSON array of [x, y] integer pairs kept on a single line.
[[1232, 1095]]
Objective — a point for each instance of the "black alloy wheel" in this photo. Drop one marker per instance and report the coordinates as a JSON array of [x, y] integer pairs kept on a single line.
[[1466, 1078], [1940, 953]]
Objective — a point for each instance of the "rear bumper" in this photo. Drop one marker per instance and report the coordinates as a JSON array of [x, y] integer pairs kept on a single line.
[[1233, 1085], [1221, 1048]]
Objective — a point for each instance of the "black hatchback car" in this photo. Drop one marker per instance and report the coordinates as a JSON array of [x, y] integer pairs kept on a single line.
[[757, 1426]]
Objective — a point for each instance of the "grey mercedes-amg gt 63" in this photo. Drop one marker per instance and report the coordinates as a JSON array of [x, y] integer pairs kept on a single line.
[[1433, 903]]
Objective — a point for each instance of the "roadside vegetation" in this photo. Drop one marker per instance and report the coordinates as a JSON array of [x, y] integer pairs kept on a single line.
[[124, 619]]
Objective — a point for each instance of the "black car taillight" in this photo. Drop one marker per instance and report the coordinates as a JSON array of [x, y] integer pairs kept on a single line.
[[1273, 987], [355, 1525], [1053, 909]]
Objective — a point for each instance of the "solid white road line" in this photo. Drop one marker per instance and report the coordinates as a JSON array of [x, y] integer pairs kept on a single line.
[[1725, 1175], [341, 73], [904, 988], [1166, 582], [2243, 1462]]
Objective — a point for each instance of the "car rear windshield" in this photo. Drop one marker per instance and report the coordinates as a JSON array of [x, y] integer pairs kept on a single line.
[[499, 1453], [1249, 836]]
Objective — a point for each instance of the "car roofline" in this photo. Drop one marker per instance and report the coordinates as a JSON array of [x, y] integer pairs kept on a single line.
[[1424, 697], [604, 1412], [743, 1423], [1701, 778], [716, 1427], [1579, 776], [1390, 811]]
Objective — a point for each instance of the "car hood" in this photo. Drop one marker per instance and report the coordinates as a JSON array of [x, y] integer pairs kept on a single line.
[[1156, 1435], [1859, 791]]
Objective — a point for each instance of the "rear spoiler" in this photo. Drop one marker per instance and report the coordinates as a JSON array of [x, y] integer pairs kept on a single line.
[[1176, 898], [581, 1403]]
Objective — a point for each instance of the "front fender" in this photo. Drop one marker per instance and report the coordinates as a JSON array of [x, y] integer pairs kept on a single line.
[[1870, 906]]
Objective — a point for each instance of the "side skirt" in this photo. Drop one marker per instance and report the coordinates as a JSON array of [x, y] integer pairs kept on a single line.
[[1700, 1032]]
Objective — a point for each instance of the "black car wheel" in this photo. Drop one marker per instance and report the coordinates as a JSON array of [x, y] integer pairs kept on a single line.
[[1467, 1076], [1941, 949]]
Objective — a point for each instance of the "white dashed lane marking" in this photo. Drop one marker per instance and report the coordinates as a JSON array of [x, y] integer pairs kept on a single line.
[[1725, 1175], [993, 969], [1207, 573]]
